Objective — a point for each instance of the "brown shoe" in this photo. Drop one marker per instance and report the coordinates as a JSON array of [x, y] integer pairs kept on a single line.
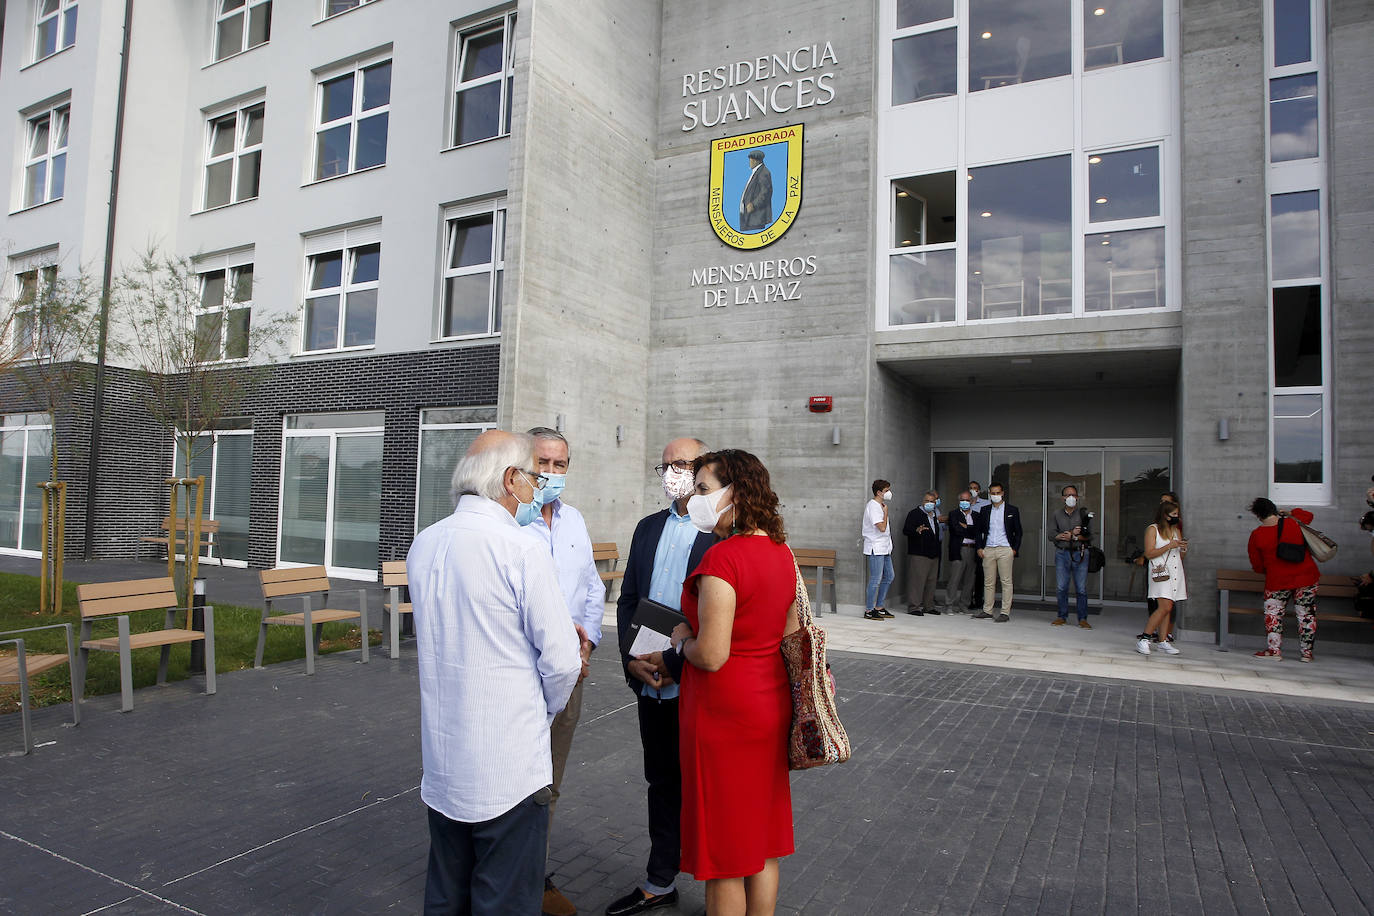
[[555, 904], [1085, 625], [1057, 622]]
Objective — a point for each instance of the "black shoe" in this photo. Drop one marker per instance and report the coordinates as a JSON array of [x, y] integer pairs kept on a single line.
[[1001, 618], [886, 614], [933, 611], [916, 612], [873, 615], [636, 902], [982, 615]]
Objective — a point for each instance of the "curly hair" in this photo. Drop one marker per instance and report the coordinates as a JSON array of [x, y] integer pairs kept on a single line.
[[755, 503]]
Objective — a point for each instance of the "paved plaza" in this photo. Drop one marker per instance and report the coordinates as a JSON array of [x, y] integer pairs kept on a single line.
[[973, 789]]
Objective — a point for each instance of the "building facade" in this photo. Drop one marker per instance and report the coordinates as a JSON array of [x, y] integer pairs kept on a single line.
[[1119, 244]]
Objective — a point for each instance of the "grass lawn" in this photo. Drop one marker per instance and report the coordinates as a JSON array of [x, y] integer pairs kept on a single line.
[[236, 639]]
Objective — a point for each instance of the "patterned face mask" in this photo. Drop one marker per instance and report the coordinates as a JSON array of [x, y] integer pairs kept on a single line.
[[678, 483]]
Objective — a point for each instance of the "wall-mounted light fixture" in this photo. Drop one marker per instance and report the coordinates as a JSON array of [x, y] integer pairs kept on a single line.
[[619, 434], [1223, 429], [558, 422], [834, 435]]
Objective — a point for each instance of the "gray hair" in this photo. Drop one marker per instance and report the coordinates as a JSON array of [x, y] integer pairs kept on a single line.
[[483, 473], [551, 435]]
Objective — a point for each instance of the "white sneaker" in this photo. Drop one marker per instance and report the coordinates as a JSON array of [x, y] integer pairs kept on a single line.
[[1168, 648], [1142, 646]]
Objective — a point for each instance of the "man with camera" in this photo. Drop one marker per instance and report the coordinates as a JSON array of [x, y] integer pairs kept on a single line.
[[1068, 531]]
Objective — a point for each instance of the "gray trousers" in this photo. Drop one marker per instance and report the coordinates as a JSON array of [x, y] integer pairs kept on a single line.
[[920, 582], [961, 579]]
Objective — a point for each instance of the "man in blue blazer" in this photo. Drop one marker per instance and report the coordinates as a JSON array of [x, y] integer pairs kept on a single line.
[[666, 547], [999, 541]]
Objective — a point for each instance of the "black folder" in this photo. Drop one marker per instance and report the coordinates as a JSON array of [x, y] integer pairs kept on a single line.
[[657, 617]]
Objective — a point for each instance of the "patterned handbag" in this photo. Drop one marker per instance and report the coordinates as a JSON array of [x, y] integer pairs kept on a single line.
[[816, 737]]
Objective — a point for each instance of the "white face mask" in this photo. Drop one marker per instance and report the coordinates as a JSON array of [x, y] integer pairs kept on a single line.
[[1070, 501], [974, 494], [887, 496], [678, 483], [705, 509], [996, 498]]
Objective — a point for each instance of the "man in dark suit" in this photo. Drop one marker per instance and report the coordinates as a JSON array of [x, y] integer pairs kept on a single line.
[[756, 203], [999, 541], [922, 529], [963, 546], [666, 546]]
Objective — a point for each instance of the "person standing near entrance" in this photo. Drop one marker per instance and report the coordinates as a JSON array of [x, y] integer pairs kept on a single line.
[[999, 541], [1069, 534], [922, 529], [1164, 550], [978, 501], [877, 551], [963, 552], [561, 530]]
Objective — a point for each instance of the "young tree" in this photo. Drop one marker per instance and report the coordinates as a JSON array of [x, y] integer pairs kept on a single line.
[[200, 351], [48, 333]]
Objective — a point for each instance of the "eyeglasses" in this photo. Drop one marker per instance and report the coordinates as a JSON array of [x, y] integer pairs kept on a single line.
[[681, 464], [536, 479]]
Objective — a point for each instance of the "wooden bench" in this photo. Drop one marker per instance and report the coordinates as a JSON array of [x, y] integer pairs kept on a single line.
[[394, 580], [208, 528], [609, 553], [119, 600], [18, 668], [823, 562], [1247, 582], [304, 582]]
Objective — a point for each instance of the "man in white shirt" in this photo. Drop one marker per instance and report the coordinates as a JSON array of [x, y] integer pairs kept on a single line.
[[562, 532], [498, 659]]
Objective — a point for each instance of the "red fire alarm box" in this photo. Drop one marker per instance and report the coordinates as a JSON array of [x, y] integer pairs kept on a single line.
[[821, 403]]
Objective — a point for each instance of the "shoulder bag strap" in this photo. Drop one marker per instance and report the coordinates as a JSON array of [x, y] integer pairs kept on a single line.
[[803, 598]]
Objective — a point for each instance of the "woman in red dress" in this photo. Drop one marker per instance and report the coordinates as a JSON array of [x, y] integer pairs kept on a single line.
[[736, 706]]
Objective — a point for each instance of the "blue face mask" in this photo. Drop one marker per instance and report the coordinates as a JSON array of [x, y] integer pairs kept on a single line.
[[553, 488], [964, 504], [929, 507], [937, 502], [526, 513]]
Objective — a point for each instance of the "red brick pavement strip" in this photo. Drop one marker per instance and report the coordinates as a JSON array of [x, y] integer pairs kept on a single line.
[[973, 790]]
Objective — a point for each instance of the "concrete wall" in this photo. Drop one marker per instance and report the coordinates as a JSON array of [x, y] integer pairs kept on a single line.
[[575, 336], [1224, 371]]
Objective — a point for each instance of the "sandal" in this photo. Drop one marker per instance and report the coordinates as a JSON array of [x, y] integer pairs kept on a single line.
[[1269, 653]]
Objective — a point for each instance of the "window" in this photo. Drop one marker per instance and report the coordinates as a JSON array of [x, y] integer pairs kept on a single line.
[[474, 262], [483, 78], [335, 7], [45, 164], [240, 25], [343, 271], [1293, 118], [1295, 236], [55, 27], [924, 66], [353, 112], [1123, 260], [226, 304], [1017, 41], [1121, 32], [1292, 32], [444, 436], [331, 494], [33, 286], [224, 456], [1020, 257], [922, 279], [25, 461], [233, 156]]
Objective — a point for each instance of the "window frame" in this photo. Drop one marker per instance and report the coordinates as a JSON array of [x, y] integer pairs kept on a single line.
[[44, 271], [230, 265], [326, 15], [27, 424], [479, 426], [497, 264], [65, 17], [52, 113], [228, 426], [1088, 228], [240, 150], [355, 116], [506, 75], [246, 11], [349, 240]]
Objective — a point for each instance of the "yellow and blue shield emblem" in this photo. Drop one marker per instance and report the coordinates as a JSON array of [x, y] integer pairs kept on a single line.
[[756, 186]]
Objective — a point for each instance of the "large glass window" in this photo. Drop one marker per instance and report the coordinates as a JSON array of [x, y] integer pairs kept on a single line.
[[226, 304], [1292, 32], [1123, 185], [1123, 264], [342, 285], [924, 66], [1121, 32], [1020, 255], [54, 28], [240, 25], [1017, 41], [1293, 118], [225, 458], [332, 492], [1295, 235], [484, 75], [444, 436], [25, 461], [1298, 337], [45, 161], [233, 155], [1298, 439], [353, 113], [474, 265], [922, 278]]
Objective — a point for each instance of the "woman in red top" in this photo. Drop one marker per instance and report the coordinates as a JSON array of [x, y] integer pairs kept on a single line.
[[1284, 579], [736, 706]]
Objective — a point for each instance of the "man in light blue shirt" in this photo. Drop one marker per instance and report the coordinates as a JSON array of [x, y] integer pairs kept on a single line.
[[561, 530]]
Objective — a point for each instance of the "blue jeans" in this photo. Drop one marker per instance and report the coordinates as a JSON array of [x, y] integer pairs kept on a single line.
[[879, 578], [1071, 563]]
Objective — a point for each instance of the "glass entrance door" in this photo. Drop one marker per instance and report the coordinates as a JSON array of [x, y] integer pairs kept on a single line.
[[1022, 472], [225, 458], [1081, 470]]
